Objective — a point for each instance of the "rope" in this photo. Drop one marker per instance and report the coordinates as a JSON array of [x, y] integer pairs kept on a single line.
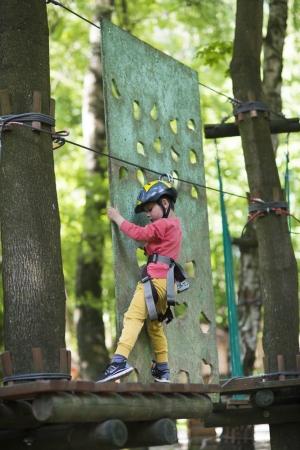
[[13, 119], [234, 337], [37, 376], [29, 117], [256, 106]]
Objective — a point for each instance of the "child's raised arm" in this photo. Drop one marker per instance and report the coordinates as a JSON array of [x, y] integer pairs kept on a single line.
[[114, 215]]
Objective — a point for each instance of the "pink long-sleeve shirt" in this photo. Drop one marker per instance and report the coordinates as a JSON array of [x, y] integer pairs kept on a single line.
[[162, 236]]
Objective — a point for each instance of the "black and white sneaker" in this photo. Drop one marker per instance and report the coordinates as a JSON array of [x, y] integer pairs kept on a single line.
[[162, 376], [114, 371]]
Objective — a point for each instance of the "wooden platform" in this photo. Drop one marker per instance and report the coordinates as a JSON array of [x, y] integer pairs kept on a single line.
[[233, 386], [28, 391]]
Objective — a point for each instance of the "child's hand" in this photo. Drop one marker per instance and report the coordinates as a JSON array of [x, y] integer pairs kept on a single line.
[[114, 215]]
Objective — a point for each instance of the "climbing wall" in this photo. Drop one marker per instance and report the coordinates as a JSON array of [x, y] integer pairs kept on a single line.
[[153, 121]]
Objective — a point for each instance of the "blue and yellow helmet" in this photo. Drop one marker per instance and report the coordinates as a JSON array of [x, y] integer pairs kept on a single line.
[[153, 191]]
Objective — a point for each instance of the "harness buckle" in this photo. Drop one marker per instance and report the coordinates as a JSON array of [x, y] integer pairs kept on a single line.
[[183, 286], [154, 258], [145, 279]]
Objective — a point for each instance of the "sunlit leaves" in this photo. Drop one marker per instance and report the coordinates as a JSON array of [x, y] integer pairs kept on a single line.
[[216, 54]]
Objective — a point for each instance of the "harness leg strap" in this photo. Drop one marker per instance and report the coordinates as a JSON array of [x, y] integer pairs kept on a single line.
[[149, 299], [170, 285]]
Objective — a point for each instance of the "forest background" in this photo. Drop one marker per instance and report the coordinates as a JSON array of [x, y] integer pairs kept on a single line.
[[200, 35]]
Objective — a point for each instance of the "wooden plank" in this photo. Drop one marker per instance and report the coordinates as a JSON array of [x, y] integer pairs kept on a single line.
[[213, 131], [298, 364], [6, 363], [63, 360], [240, 404], [30, 390], [247, 385], [36, 107], [276, 197], [280, 362], [5, 107], [69, 361], [164, 388], [52, 114], [254, 416], [226, 387], [37, 356]]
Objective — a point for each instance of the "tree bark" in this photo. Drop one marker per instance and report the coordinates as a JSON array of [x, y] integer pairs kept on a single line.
[[249, 302], [278, 268], [33, 285], [273, 45], [241, 437], [90, 328]]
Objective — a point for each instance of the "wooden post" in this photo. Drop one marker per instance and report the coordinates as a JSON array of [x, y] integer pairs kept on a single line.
[[146, 434], [110, 434], [298, 364], [5, 106], [87, 407], [52, 114], [17, 415], [36, 107], [37, 356], [6, 364], [266, 362], [280, 362], [222, 130]]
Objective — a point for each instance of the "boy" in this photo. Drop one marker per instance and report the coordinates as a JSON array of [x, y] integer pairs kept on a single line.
[[163, 236]]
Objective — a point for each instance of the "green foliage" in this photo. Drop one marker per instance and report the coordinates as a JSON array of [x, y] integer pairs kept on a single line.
[[295, 14], [215, 54]]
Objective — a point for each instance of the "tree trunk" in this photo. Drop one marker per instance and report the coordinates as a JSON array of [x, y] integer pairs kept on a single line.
[[278, 268], [273, 60], [33, 285], [249, 304], [90, 328]]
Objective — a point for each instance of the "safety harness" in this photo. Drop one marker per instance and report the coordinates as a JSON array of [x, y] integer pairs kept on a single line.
[[176, 274]]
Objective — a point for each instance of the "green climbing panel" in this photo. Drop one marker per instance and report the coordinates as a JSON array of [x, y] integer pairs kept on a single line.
[[153, 120]]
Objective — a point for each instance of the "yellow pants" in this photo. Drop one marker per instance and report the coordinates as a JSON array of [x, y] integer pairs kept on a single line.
[[134, 319]]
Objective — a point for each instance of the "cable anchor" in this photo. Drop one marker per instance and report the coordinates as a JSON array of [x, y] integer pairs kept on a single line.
[[169, 176]]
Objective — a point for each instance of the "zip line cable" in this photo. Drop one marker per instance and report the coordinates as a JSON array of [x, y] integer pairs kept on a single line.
[[59, 137], [67, 9], [151, 170], [235, 102]]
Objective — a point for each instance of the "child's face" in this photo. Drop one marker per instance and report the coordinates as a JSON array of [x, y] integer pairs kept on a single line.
[[153, 211]]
